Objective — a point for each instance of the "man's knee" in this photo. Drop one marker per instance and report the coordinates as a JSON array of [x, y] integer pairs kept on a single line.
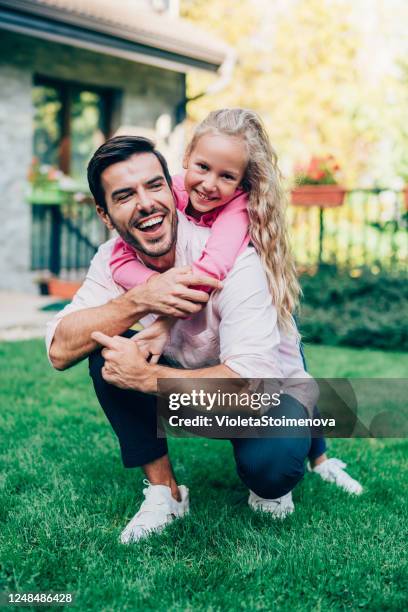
[[272, 467]]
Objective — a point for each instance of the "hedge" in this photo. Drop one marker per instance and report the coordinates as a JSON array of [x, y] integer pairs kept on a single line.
[[368, 310]]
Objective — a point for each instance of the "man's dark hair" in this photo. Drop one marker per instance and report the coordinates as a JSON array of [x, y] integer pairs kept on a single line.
[[115, 150]]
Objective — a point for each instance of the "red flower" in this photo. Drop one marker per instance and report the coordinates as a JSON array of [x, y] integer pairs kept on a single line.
[[319, 171]]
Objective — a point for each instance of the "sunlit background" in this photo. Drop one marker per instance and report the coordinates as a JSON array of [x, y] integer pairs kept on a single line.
[[328, 77]]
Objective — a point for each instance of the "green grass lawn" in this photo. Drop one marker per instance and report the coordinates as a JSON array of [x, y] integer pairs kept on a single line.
[[64, 498]]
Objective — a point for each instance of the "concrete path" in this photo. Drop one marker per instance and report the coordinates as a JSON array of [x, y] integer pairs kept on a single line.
[[21, 317]]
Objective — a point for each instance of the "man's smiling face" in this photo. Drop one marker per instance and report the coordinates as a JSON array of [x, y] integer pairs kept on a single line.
[[140, 205]]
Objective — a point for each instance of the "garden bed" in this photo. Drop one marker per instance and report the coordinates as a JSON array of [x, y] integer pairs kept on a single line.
[[355, 308]]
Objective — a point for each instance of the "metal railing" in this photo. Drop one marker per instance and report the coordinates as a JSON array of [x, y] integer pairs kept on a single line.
[[370, 229], [65, 237]]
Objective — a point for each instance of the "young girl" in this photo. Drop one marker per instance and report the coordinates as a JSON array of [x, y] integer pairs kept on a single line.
[[232, 184]]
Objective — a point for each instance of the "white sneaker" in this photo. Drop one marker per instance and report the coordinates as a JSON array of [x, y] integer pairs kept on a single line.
[[332, 470], [158, 510], [279, 508]]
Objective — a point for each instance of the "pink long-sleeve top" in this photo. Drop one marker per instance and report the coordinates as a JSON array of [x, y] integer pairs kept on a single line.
[[229, 237]]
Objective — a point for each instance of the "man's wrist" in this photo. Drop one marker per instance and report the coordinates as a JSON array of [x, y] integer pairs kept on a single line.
[[135, 303], [146, 380]]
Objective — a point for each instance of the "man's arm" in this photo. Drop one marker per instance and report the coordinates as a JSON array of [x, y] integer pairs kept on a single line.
[[127, 368], [72, 339], [168, 294]]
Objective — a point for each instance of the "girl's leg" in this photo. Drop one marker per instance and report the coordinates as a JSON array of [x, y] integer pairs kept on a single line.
[[318, 447], [330, 470]]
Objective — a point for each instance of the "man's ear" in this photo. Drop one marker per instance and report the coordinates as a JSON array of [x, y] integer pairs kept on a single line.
[[104, 215]]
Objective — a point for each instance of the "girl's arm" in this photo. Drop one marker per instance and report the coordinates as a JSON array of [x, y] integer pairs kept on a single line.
[[229, 237], [127, 270]]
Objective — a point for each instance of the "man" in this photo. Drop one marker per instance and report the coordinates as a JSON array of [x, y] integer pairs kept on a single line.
[[233, 333]]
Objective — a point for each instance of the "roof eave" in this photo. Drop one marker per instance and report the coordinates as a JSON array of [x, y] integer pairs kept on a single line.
[[79, 32]]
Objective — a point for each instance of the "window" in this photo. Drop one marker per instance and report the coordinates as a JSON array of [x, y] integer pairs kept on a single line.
[[70, 121]]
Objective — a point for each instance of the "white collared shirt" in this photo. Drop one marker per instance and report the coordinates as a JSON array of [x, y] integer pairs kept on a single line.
[[238, 326]]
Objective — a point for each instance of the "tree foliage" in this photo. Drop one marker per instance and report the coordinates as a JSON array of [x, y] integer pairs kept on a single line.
[[304, 65]]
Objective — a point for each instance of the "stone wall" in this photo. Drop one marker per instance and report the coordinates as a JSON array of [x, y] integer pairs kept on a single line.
[[15, 157], [146, 93]]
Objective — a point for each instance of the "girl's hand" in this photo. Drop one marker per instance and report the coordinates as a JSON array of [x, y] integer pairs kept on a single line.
[[152, 340]]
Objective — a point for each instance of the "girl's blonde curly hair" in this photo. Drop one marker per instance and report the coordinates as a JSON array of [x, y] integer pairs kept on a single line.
[[266, 205]]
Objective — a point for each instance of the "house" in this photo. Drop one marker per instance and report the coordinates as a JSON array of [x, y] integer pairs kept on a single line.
[[73, 72]]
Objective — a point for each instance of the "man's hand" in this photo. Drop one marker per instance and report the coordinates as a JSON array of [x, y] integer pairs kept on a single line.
[[125, 367], [171, 293]]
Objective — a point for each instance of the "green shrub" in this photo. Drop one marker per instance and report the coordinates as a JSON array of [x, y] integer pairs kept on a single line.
[[365, 311]]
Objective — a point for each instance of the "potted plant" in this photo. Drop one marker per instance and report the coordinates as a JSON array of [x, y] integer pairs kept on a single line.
[[317, 185], [405, 194], [48, 184], [64, 289]]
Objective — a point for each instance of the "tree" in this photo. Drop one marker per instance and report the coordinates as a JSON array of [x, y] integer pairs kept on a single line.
[[306, 67]]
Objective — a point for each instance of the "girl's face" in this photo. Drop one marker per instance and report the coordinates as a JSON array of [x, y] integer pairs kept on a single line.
[[215, 169]]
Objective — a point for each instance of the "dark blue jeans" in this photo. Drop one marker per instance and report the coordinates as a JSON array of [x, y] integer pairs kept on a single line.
[[271, 467], [318, 445]]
